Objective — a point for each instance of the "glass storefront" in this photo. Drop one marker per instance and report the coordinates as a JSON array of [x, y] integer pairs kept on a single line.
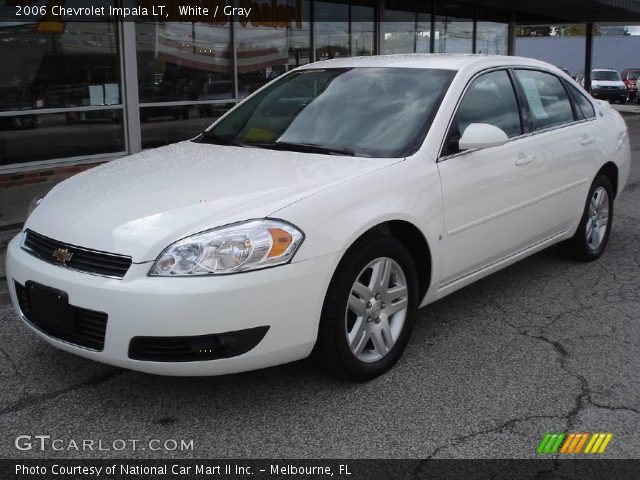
[[54, 87], [270, 47], [64, 85], [406, 29]]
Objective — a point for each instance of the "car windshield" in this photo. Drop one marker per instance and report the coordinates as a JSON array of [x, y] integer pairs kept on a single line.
[[371, 112], [634, 75], [605, 76]]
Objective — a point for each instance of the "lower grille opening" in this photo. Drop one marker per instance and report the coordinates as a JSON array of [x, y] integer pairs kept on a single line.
[[197, 348], [90, 325]]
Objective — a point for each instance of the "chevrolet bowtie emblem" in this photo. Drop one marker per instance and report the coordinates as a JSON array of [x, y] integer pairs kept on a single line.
[[62, 255]]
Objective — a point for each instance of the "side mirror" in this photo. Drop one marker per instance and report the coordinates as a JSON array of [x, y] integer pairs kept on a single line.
[[482, 135]]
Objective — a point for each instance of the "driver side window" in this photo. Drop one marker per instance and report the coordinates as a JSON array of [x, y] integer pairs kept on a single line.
[[489, 99]]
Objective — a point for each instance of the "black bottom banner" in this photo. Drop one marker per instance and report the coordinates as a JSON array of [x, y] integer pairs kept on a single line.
[[338, 469]]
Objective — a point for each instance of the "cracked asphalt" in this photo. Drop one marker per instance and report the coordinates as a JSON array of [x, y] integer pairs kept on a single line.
[[545, 345]]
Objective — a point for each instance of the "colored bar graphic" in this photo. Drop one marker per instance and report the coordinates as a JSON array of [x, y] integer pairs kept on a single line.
[[593, 439], [569, 440], [583, 439], [543, 443], [572, 443], [605, 442]]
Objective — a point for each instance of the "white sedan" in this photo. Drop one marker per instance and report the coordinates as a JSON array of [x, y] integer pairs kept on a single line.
[[318, 215]]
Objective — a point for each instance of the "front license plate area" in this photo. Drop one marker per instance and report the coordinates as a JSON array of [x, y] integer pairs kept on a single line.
[[50, 307]]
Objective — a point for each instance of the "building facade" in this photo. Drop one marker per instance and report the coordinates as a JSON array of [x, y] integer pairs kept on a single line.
[[85, 92], [78, 93]]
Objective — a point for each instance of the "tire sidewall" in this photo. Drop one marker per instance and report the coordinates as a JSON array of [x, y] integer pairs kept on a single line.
[[338, 295], [604, 182]]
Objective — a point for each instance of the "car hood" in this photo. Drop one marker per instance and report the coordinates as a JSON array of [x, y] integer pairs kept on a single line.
[[138, 205]]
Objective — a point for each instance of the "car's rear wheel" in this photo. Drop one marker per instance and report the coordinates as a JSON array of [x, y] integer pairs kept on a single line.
[[592, 235], [369, 310]]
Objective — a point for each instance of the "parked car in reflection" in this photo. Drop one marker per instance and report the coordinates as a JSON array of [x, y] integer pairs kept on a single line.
[[630, 78], [319, 214], [606, 84]]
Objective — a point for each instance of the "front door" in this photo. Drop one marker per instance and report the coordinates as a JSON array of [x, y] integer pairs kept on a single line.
[[489, 194]]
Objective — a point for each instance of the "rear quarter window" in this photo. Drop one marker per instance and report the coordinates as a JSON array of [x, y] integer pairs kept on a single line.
[[584, 106]]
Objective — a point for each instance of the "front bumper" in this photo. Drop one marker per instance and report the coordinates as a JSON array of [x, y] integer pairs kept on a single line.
[[288, 299], [617, 94]]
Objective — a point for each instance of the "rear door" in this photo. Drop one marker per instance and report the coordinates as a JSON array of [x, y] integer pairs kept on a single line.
[[564, 148]]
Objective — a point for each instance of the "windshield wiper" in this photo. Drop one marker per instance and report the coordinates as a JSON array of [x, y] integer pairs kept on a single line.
[[210, 137], [307, 148]]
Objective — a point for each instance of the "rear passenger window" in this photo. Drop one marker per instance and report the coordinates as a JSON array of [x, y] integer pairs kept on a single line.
[[547, 99], [584, 106]]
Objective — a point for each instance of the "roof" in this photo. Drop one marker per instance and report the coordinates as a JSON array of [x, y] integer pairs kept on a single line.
[[446, 61]]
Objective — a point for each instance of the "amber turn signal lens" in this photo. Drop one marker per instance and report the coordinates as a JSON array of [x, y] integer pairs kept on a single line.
[[281, 241]]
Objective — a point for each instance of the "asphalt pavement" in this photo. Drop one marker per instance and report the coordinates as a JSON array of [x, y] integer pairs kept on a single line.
[[547, 345]]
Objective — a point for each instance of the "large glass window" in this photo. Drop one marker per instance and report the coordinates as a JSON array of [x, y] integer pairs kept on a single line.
[[69, 66], [181, 61], [362, 30], [492, 31], [492, 38], [344, 29], [547, 99], [34, 137], [272, 42], [169, 124], [405, 30], [377, 112], [453, 28]]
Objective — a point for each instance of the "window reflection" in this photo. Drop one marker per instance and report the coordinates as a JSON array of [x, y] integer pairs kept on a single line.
[[453, 35], [272, 44], [332, 30], [454, 28], [76, 67], [182, 61], [34, 137], [343, 30], [492, 38], [492, 31], [170, 124], [406, 32], [362, 29]]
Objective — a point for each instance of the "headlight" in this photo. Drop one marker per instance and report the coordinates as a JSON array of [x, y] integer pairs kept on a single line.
[[235, 248], [33, 204]]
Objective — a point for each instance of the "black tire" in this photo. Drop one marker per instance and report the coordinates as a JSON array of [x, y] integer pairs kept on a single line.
[[332, 350], [578, 247]]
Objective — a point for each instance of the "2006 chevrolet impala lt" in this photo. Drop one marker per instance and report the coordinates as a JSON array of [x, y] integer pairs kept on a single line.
[[319, 214]]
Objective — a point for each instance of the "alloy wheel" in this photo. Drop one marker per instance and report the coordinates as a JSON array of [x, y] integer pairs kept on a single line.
[[376, 309], [598, 220]]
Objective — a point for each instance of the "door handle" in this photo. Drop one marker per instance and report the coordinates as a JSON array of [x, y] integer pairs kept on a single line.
[[586, 140], [525, 159]]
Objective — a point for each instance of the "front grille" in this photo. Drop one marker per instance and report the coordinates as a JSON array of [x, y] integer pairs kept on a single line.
[[198, 348], [90, 325], [82, 259]]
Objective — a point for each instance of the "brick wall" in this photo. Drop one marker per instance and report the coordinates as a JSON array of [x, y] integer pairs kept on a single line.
[[49, 174]]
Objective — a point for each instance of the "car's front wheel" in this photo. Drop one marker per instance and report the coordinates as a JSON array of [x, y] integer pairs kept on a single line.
[[369, 310], [592, 235]]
